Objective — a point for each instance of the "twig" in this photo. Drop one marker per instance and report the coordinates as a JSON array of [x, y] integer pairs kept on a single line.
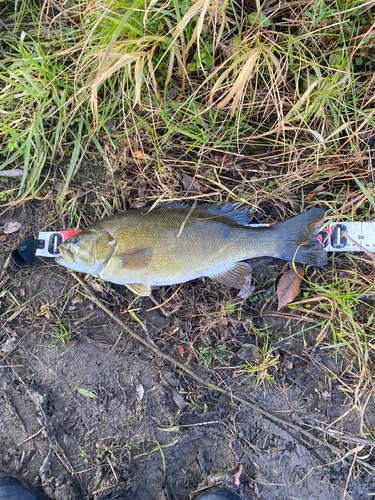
[[197, 378], [349, 439], [109, 487], [351, 469], [31, 437], [198, 424], [158, 306], [185, 221], [113, 470], [165, 302]]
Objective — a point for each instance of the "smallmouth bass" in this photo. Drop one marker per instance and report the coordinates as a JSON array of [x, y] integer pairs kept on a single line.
[[174, 244]]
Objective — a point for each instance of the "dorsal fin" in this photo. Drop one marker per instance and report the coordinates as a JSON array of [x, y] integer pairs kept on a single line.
[[233, 211], [173, 204]]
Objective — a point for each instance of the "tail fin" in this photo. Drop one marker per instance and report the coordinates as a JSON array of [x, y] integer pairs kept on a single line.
[[298, 238]]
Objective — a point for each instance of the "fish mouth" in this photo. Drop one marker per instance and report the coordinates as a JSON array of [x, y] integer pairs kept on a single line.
[[66, 256]]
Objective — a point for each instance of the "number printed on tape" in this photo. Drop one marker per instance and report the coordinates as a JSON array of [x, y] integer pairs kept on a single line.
[[349, 236]]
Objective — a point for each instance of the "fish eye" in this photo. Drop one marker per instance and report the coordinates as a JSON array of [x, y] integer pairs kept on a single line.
[[74, 240]]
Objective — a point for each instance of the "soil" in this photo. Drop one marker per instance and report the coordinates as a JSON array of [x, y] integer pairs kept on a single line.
[[82, 419]]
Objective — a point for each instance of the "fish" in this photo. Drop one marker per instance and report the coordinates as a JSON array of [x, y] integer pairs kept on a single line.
[[177, 243]]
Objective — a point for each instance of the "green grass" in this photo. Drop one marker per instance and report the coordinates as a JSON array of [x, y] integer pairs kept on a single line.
[[351, 326], [262, 369], [288, 83], [63, 333]]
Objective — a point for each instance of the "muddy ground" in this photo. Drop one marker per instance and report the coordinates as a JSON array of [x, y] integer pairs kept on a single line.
[[82, 419]]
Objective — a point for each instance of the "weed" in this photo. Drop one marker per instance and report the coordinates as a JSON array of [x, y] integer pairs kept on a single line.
[[231, 307], [341, 300], [210, 353], [83, 455], [100, 453], [63, 333], [160, 449], [262, 370]]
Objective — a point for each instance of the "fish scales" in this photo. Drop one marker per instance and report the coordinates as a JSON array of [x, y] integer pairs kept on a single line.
[[173, 245]]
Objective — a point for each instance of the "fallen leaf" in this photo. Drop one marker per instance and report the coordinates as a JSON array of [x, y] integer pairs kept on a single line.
[[237, 472], [139, 155], [8, 345], [253, 485], [2, 238], [97, 288], [44, 311], [180, 350], [191, 184], [179, 400], [288, 286], [16, 172], [86, 393], [11, 227], [311, 196], [142, 188], [140, 391]]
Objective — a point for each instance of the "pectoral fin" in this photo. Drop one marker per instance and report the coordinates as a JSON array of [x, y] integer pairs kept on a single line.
[[135, 258], [142, 290], [237, 276]]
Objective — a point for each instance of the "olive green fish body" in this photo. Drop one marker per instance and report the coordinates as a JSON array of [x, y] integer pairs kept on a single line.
[[205, 245], [174, 245]]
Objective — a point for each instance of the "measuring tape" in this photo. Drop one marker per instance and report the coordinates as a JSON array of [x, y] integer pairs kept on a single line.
[[348, 237], [333, 236], [52, 241]]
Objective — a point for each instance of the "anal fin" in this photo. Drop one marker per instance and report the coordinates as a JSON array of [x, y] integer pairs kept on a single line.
[[237, 276], [138, 289]]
